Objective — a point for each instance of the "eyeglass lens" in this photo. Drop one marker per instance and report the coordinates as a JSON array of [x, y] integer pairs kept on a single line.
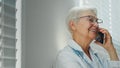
[[95, 20]]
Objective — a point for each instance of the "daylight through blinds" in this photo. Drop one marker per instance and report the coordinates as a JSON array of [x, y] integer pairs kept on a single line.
[[8, 33]]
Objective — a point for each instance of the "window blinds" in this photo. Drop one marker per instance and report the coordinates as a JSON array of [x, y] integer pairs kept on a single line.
[[8, 33], [115, 12], [109, 12]]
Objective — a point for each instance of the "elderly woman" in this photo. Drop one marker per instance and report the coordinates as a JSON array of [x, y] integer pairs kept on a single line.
[[83, 25]]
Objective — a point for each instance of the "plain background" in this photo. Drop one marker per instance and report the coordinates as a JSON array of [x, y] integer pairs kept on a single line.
[[42, 31]]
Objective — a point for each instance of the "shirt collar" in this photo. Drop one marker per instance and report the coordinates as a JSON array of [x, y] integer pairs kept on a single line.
[[74, 45]]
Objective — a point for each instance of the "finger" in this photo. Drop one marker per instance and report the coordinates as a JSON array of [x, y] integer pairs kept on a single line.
[[107, 37], [106, 32]]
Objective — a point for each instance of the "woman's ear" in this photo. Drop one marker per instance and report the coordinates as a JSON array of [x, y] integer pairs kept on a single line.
[[72, 25]]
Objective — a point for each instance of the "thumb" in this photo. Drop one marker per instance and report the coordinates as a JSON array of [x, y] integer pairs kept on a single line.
[[98, 43]]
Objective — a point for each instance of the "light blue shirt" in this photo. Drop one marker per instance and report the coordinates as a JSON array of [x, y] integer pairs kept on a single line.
[[72, 56]]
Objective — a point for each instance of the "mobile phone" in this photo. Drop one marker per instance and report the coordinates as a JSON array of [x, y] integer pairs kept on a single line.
[[100, 37]]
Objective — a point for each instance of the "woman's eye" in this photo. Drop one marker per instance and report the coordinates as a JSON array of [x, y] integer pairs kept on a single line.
[[91, 20]]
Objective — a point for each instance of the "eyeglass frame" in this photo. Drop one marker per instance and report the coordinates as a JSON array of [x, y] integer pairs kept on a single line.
[[89, 16]]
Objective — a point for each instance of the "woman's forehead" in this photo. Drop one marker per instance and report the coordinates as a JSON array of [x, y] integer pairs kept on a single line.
[[88, 12]]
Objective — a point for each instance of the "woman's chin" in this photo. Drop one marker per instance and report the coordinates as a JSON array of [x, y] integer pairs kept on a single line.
[[93, 37]]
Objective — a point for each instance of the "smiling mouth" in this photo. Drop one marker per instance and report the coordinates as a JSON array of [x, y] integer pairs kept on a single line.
[[94, 30]]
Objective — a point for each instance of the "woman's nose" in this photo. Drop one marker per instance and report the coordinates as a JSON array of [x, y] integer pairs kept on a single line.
[[95, 24]]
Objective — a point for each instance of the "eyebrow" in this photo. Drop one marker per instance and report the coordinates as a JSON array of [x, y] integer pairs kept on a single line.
[[88, 16]]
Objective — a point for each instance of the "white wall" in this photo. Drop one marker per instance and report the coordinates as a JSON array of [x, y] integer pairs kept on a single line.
[[42, 31]]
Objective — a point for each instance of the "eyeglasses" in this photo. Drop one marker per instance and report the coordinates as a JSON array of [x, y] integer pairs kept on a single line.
[[92, 19]]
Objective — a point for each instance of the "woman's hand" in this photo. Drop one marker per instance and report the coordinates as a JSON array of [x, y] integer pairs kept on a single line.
[[108, 44]]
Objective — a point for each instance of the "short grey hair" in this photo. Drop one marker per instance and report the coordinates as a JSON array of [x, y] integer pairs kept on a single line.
[[76, 12]]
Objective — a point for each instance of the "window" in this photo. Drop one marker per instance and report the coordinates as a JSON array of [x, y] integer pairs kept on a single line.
[[9, 38]]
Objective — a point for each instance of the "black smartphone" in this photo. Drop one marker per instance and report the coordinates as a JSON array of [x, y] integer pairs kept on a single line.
[[100, 37]]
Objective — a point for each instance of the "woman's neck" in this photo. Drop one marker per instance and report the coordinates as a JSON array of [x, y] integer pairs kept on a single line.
[[84, 43]]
